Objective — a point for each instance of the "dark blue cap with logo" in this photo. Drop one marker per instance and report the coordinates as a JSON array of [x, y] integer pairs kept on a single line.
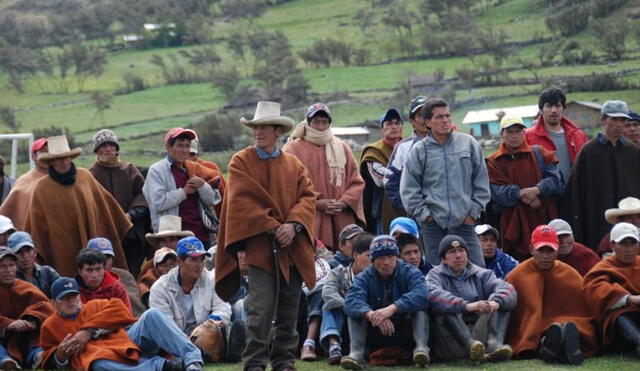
[[64, 286]]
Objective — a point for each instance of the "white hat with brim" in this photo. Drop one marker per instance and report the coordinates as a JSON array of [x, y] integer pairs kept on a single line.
[[624, 230], [168, 226], [268, 113], [58, 147], [626, 206]]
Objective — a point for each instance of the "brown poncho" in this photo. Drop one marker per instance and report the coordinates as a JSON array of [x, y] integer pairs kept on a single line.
[[520, 168], [605, 284], [545, 297], [16, 205], [22, 300], [105, 314], [62, 219], [328, 227], [374, 199], [262, 195]]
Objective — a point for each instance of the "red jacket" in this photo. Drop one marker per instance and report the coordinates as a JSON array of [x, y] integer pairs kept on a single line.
[[575, 137], [109, 288]]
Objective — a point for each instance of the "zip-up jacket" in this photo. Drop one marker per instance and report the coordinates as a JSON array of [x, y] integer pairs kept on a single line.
[[394, 169], [574, 136], [501, 264]]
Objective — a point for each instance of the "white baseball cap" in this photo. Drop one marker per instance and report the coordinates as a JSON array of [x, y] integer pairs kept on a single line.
[[623, 230], [6, 224]]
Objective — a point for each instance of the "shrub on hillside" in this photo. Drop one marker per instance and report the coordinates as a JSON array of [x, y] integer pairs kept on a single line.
[[569, 21], [133, 82], [218, 132]]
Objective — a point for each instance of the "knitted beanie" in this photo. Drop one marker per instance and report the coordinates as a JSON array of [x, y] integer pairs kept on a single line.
[[105, 136], [383, 245]]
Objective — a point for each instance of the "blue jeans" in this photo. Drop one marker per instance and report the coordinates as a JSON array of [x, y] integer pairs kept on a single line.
[[431, 234], [155, 331], [145, 364], [238, 312], [332, 325], [28, 361], [314, 305]]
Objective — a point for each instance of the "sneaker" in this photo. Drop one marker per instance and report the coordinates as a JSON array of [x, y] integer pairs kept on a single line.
[[502, 353], [9, 364], [335, 353], [308, 354], [421, 359], [174, 364], [37, 360], [571, 344], [349, 363], [551, 343], [195, 366], [476, 351]]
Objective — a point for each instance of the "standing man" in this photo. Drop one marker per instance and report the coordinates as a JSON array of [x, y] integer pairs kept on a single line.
[[524, 181], [555, 132], [69, 207], [445, 185], [631, 129], [373, 167], [269, 213], [605, 172], [22, 190], [176, 186], [124, 182], [401, 151], [23, 308], [333, 171]]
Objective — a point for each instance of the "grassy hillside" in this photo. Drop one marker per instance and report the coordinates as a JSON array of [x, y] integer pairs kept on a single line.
[[363, 92]]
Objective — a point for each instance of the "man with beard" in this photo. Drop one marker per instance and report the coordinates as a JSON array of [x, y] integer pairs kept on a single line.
[[69, 207]]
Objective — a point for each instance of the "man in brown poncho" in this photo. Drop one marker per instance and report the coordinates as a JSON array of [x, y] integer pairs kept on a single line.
[[124, 182], [268, 212], [69, 207], [333, 171], [15, 207], [612, 289]]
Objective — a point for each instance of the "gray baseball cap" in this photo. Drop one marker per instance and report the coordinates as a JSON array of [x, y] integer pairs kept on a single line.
[[561, 227], [615, 108]]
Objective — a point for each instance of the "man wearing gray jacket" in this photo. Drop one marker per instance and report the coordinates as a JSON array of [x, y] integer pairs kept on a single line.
[[471, 305], [444, 185]]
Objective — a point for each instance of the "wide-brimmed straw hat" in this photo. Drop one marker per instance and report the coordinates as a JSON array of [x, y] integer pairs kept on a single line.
[[58, 148], [168, 225], [626, 206], [268, 113]]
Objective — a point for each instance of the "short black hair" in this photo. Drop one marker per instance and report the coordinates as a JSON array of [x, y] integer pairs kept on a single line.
[[173, 141], [361, 243], [430, 104], [405, 239], [90, 257], [552, 95]]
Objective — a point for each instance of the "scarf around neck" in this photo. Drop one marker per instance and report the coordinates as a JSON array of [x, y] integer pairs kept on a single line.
[[336, 158], [108, 161], [67, 178]]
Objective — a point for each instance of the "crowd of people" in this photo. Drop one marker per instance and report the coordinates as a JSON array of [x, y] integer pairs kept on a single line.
[[424, 250]]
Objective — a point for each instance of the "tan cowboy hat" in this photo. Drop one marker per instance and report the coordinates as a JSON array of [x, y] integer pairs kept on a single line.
[[58, 148], [268, 113], [626, 206], [168, 225]]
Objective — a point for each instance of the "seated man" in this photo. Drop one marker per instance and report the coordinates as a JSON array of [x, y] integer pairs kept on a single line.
[[95, 281], [495, 259], [6, 229], [22, 309], [551, 317], [126, 278], [411, 253], [42, 276], [577, 255], [386, 304], [333, 293], [403, 224], [471, 305], [347, 235], [102, 335], [164, 260], [612, 289], [186, 294], [628, 210]]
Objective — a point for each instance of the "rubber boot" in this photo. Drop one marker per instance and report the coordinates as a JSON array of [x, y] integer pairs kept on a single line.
[[358, 338], [236, 341], [461, 333], [551, 343], [497, 350], [420, 322], [571, 344], [627, 327]]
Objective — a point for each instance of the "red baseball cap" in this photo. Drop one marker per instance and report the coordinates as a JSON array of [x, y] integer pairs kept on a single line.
[[544, 235], [175, 132], [38, 144]]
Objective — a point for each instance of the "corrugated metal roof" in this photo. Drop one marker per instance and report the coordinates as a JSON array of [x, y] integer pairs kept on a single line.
[[353, 130], [489, 115], [593, 105]]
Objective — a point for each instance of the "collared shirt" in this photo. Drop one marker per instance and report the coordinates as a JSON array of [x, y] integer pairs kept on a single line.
[[603, 140], [43, 277], [264, 155]]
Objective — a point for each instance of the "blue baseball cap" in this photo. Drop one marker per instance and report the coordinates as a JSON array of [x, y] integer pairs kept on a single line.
[[634, 116], [391, 113], [19, 240], [101, 244], [191, 246], [63, 286], [403, 224], [383, 245]]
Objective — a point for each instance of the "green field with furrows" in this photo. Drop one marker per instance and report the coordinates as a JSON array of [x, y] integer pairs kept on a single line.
[[507, 47]]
